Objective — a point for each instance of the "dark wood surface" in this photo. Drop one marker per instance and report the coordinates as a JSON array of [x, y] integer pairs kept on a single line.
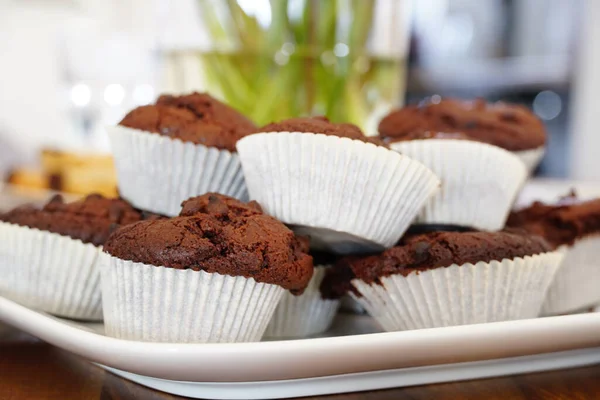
[[31, 370]]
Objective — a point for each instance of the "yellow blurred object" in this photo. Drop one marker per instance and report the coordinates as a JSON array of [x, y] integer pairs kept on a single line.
[[32, 178], [82, 173], [89, 179], [70, 172], [54, 161]]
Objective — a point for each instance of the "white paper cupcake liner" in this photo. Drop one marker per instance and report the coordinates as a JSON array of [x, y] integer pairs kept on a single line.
[[531, 158], [50, 272], [479, 182], [576, 285], [461, 294], [349, 196], [304, 315], [157, 173], [157, 304]]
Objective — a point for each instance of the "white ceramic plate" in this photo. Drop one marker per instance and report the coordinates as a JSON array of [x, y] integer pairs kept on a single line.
[[360, 361]]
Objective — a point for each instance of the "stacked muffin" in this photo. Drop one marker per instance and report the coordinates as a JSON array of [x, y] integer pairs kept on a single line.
[[408, 223], [508, 126], [457, 266], [178, 148], [347, 192]]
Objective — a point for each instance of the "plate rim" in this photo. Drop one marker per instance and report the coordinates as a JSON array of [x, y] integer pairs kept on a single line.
[[352, 354]]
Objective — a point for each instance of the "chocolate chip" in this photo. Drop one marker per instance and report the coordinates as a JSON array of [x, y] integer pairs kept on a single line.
[[421, 248]]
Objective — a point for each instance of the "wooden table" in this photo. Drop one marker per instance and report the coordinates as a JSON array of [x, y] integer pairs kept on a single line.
[[31, 370]]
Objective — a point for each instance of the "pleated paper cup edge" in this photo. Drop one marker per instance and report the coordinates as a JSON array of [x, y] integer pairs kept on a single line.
[[58, 308], [531, 157], [119, 129], [552, 261], [456, 215], [429, 186], [111, 304], [139, 198], [566, 297], [280, 328]]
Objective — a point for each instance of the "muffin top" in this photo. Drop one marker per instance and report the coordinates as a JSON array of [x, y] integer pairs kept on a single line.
[[216, 233], [429, 251], [512, 127], [90, 220], [322, 125], [197, 118], [561, 223]]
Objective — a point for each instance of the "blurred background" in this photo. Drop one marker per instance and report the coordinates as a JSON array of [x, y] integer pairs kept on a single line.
[[70, 67]]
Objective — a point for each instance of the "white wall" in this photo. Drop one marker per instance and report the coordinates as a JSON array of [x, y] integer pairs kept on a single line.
[[48, 46], [29, 112]]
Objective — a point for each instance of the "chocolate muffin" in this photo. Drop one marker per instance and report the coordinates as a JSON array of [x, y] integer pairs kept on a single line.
[[53, 266], [560, 224], [466, 144], [215, 274], [197, 118], [512, 127], [571, 226], [90, 220], [218, 234], [449, 278], [178, 148], [320, 124], [417, 253]]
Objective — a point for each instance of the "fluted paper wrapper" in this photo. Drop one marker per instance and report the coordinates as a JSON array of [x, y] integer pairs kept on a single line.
[[479, 182], [157, 304], [304, 315], [461, 294], [50, 272], [347, 195], [576, 285], [157, 173], [531, 158]]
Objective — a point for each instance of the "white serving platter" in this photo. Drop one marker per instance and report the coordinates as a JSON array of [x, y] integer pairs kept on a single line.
[[351, 357]]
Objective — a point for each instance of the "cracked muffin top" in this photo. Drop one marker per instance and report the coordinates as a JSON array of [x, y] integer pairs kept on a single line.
[[90, 220], [428, 251], [197, 118], [321, 125], [510, 126], [219, 234]]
